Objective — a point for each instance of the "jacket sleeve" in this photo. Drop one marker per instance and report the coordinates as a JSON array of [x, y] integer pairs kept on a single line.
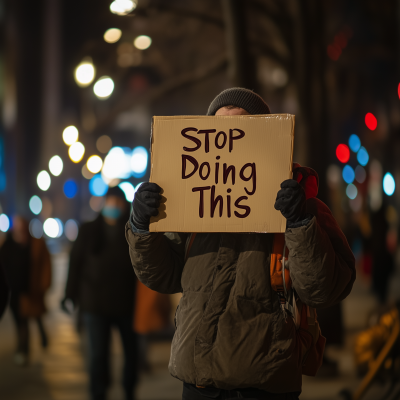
[[157, 259], [76, 262], [321, 263]]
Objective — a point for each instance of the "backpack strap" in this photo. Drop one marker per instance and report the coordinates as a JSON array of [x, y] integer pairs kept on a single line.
[[189, 245]]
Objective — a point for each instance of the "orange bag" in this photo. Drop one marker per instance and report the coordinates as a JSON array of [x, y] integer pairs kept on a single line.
[[152, 310]]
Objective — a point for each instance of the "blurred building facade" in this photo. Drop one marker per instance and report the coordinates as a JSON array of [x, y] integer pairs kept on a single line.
[[329, 63]]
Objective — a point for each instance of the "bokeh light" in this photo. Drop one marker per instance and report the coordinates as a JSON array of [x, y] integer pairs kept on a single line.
[[51, 227], [398, 90], [142, 42], [35, 205], [71, 230], [112, 35], [85, 73], [43, 180], [117, 164], [354, 143], [97, 186], [363, 156], [333, 175], [76, 152], [128, 189], [371, 121], [56, 165], [104, 144], [4, 223], [139, 160], [361, 174], [70, 135], [351, 191], [348, 174], [389, 184], [60, 227], [122, 7], [138, 186], [103, 87], [70, 188], [343, 153], [36, 228], [86, 173], [94, 164]]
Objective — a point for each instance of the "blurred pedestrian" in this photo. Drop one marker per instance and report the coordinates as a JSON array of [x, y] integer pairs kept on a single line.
[[101, 282], [382, 256], [27, 264]]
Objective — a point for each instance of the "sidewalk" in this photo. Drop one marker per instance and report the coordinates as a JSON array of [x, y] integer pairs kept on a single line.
[[59, 373]]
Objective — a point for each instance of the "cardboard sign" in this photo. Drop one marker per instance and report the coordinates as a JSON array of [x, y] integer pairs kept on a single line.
[[221, 173]]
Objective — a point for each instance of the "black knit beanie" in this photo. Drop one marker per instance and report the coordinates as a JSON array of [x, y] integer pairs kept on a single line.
[[239, 97]]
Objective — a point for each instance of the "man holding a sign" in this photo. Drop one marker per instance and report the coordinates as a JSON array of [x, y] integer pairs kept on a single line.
[[246, 325]]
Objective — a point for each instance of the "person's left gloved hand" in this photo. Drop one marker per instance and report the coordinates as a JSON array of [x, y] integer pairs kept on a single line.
[[291, 202]]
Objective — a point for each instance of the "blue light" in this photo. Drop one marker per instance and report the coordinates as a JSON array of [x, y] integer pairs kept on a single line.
[[128, 189], [35, 204], [348, 174], [139, 160], [354, 143], [389, 185], [363, 156], [351, 191], [97, 186], [70, 188], [4, 223]]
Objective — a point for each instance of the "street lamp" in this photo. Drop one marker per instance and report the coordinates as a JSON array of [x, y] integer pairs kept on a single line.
[[103, 87], [85, 73]]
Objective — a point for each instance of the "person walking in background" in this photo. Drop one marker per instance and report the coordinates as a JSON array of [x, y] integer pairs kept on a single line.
[[27, 265], [102, 284]]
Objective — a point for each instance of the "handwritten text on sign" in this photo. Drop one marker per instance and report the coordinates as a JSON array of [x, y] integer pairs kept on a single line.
[[218, 172]]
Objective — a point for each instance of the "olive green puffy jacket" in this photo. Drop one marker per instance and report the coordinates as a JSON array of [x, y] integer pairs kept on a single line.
[[230, 331]]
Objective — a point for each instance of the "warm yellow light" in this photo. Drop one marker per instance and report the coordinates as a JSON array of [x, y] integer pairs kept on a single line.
[[70, 135], [103, 87], [122, 7], [112, 35], [76, 152], [94, 164], [142, 42], [85, 73], [56, 165]]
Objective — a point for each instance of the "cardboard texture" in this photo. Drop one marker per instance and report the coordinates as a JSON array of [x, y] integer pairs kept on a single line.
[[259, 149]]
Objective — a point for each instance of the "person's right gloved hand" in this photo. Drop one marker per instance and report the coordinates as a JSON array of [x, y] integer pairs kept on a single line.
[[145, 205]]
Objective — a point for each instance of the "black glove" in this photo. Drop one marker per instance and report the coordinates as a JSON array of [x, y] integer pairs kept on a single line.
[[291, 202], [64, 306], [145, 204]]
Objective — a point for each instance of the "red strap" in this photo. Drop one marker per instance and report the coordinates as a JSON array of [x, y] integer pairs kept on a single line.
[[193, 235]]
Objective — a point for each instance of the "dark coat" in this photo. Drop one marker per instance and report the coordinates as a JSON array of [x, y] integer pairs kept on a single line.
[[28, 269], [100, 276], [230, 330]]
